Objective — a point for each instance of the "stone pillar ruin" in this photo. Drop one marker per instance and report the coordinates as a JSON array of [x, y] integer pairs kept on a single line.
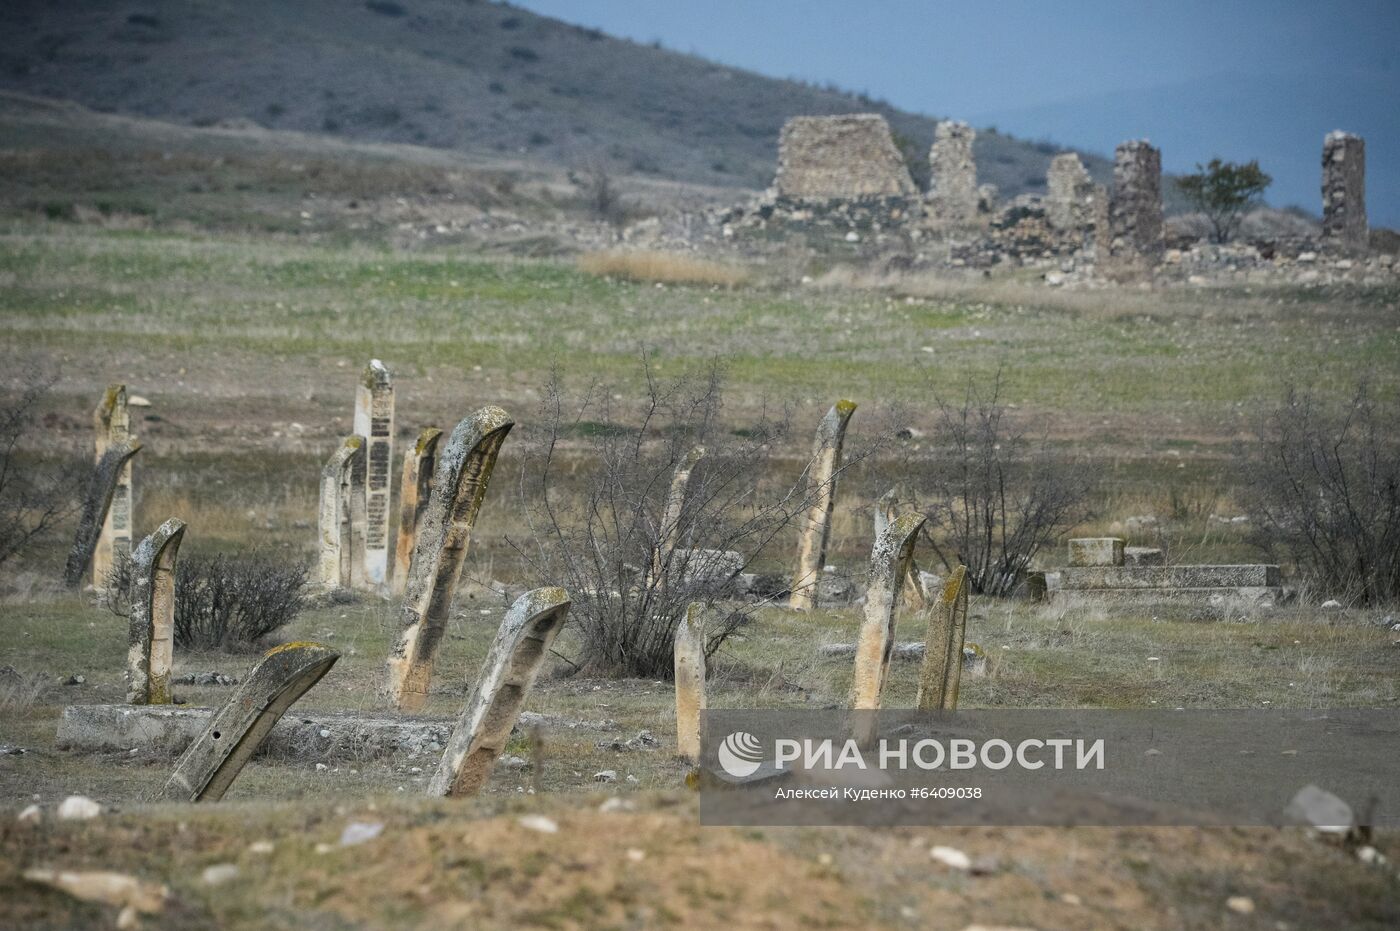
[[943, 646], [890, 560], [341, 480], [953, 195], [414, 487], [821, 493], [459, 485], [111, 427], [690, 683], [209, 765], [669, 532], [840, 157], [1344, 192], [1069, 198], [1135, 209], [374, 420], [97, 502], [506, 677], [151, 635]]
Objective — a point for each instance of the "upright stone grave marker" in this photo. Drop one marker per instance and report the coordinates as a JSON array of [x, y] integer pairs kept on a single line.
[[341, 478], [943, 648], [415, 485], [815, 532], [459, 485], [484, 726], [690, 683], [210, 764], [889, 564], [886, 511], [106, 478], [374, 420], [112, 427], [151, 635], [669, 532]]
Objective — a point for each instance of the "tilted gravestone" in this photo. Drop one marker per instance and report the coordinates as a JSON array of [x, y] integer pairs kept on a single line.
[[112, 426], [484, 726], [414, 488], [151, 636], [889, 565], [209, 765], [886, 510], [459, 485], [106, 478], [815, 531], [943, 649], [670, 530], [690, 683], [374, 420], [341, 478]]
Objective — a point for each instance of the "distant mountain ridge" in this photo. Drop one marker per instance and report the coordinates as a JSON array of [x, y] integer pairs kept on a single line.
[[456, 74]]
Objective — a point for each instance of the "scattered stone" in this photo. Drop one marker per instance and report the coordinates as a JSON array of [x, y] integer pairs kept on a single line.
[[78, 808], [616, 803], [1331, 604], [261, 847], [606, 775], [952, 858], [514, 762], [75, 680], [1069, 898], [205, 679], [1321, 810], [219, 873], [1240, 904], [133, 896], [539, 823], [32, 814], [358, 832]]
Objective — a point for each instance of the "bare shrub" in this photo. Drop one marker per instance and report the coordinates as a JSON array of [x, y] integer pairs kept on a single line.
[[600, 194], [998, 496], [1322, 483], [223, 602], [34, 496], [667, 267], [596, 515]]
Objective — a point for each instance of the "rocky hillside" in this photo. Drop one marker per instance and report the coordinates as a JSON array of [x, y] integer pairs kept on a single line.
[[467, 75]]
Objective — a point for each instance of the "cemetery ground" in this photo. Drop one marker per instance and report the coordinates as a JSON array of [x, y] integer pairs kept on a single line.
[[248, 349]]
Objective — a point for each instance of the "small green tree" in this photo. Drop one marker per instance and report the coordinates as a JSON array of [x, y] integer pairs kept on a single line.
[[1224, 192]]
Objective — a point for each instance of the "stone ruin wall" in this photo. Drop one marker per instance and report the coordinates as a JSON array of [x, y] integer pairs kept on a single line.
[[840, 157], [953, 194], [1344, 191], [1135, 209]]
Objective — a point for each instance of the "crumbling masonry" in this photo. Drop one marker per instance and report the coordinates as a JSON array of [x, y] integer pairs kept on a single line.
[[835, 157], [1135, 210], [1344, 191], [952, 195]]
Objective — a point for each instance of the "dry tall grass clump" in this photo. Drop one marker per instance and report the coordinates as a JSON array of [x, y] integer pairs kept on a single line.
[[665, 267]]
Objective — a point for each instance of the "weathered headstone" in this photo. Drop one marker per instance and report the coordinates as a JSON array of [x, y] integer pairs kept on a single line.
[[886, 510], [952, 195], [484, 726], [1344, 191], [1135, 209], [690, 683], [112, 427], [414, 488], [840, 157], [889, 564], [341, 477], [815, 530], [106, 477], [459, 484], [943, 649], [669, 532], [374, 420], [1096, 551], [151, 635], [210, 764]]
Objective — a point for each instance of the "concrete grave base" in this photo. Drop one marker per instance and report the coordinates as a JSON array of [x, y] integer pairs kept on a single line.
[[168, 730]]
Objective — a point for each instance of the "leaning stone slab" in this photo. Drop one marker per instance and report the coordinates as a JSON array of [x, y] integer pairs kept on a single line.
[[887, 508], [690, 683], [415, 487], [521, 644], [670, 530], [96, 503], [889, 564], [941, 674], [336, 554], [815, 530], [210, 764], [151, 636], [459, 485], [1096, 551], [374, 420]]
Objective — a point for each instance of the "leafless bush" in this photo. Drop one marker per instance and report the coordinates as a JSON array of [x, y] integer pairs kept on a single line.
[[998, 496], [600, 194], [223, 602], [34, 496], [1322, 482], [597, 516]]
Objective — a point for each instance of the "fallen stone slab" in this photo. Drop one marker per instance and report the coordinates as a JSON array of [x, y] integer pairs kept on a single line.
[[299, 735], [1089, 578]]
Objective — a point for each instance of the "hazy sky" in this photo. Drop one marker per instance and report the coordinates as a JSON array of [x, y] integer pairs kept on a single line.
[[1250, 78]]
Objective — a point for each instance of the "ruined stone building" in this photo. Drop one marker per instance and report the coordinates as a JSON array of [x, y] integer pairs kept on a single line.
[[953, 195], [840, 157], [1135, 208], [1344, 191]]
